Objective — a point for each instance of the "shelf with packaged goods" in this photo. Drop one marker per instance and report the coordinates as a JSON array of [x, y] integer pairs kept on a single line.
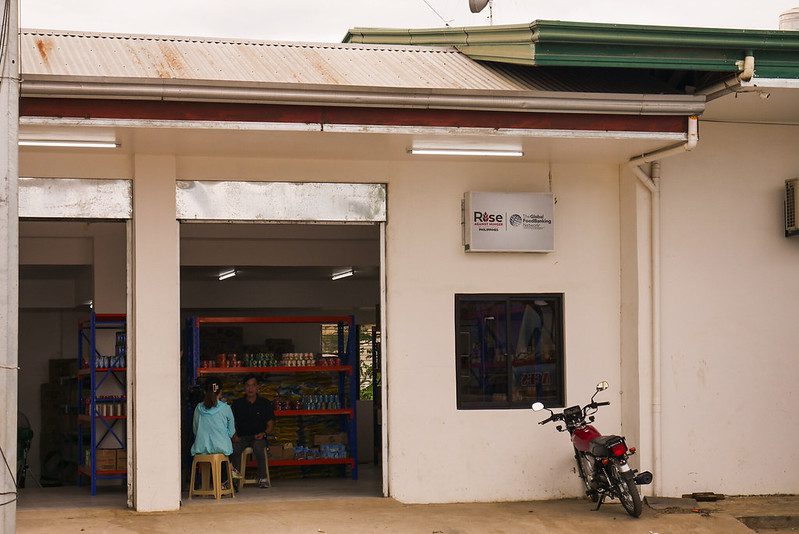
[[87, 371], [86, 419], [101, 383], [318, 461], [103, 473], [277, 370], [294, 413], [345, 375]]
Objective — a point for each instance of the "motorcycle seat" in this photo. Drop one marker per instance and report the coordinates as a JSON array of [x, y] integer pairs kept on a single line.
[[601, 446]]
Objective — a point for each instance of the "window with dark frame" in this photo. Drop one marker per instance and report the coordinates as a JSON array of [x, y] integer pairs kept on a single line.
[[509, 350]]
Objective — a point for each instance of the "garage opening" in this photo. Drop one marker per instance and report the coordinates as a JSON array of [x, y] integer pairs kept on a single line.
[[293, 309], [72, 429]]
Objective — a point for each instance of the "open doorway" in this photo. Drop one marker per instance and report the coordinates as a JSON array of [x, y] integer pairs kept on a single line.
[[72, 430], [297, 305]]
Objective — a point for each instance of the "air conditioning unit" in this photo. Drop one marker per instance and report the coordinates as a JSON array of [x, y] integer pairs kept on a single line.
[[792, 207]]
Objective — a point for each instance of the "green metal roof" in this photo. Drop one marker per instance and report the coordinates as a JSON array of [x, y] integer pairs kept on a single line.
[[581, 44]]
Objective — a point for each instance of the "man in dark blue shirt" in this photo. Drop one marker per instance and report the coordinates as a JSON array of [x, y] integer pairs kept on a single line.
[[255, 419]]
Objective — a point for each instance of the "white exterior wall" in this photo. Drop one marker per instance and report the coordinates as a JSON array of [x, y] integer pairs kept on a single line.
[[436, 452], [730, 296]]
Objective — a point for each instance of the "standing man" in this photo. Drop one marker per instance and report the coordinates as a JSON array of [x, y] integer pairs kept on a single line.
[[255, 419]]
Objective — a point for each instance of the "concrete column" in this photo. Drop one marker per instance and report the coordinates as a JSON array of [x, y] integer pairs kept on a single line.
[[154, 336], [9, 266]]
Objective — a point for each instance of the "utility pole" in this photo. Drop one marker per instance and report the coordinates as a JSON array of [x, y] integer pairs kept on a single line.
[[9, 259]]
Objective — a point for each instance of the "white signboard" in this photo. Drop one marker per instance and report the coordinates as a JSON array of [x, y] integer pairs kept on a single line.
[[508, 222]]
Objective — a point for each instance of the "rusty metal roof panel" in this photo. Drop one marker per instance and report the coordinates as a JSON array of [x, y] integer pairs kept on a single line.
[[80, 55]]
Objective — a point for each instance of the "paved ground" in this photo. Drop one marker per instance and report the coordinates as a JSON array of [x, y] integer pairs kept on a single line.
[[374, 514]]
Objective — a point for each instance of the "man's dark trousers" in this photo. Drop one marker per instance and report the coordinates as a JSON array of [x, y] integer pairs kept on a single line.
[[258, 448]]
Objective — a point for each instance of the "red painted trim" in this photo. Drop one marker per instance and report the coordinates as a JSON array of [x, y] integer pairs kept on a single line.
[[332, 319], [279, 370], [202, 111]]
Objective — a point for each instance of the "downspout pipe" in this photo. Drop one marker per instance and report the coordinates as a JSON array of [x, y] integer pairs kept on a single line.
[[733, 84], [652, 182]]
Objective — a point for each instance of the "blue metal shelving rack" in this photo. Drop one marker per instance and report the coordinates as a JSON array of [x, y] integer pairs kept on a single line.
[[99, 368]]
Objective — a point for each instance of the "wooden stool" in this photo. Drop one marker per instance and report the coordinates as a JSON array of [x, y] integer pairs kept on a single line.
[[211, 464], [246, 454]]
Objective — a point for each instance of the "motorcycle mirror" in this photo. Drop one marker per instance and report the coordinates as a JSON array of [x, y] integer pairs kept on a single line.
[[602, 386], [538, 406]]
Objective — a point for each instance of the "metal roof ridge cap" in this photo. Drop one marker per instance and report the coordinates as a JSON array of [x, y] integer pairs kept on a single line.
[[247, 42]]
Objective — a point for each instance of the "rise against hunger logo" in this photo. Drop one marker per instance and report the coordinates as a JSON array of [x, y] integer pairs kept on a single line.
[[488, 222]]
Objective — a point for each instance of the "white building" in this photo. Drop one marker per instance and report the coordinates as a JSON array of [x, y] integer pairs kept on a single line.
[[679, 292]]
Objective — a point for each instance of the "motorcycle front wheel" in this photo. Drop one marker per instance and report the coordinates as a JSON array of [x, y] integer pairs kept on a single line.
[[627, 491]]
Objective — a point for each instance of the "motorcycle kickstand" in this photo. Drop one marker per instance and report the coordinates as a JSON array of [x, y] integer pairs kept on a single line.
[[599, 502]]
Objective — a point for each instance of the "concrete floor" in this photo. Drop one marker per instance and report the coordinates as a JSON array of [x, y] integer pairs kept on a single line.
[[346, 506]]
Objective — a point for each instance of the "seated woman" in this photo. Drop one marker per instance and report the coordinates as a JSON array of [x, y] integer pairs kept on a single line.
[[213, 423]]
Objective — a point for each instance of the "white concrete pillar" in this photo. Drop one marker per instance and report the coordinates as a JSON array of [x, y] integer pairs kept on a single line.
[[154, 336], [9, 266]]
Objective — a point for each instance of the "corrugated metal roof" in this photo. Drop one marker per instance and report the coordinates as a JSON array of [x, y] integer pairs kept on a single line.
[[78, 55], [83, 56], [589, 44]]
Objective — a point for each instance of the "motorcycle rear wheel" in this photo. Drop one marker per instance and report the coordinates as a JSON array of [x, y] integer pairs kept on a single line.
[[627, 491]]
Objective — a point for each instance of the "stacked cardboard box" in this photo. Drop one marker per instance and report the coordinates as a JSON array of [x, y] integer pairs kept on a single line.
[[324, 439], [106, 459], [281, 451], [122, 459]]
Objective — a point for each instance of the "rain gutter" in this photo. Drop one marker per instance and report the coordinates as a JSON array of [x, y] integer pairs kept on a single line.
[[544, 101]]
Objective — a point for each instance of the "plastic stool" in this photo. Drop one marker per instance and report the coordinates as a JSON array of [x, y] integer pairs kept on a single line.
[[246, 454], [211, 464]]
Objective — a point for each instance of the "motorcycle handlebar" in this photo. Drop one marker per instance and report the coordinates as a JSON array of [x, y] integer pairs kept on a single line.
[[553, 417], [606, 403]]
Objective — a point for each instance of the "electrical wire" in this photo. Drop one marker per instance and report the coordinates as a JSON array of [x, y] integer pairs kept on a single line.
[[4, 36], [446, 22], [13, 479]]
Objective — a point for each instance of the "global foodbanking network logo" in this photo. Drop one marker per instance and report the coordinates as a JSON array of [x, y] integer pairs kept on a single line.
[[531, 221], [484, 221]]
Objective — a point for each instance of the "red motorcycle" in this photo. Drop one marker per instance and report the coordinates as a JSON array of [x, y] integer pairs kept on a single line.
[[601, 460]]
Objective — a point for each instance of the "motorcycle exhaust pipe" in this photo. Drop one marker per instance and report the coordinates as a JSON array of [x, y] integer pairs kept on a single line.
[[643, 478]]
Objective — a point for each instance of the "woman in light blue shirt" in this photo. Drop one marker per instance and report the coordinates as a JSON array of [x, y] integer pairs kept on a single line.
[[213, 423]]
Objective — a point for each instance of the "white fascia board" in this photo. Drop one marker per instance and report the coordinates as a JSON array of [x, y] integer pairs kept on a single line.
[[772, 83], [352, 128]]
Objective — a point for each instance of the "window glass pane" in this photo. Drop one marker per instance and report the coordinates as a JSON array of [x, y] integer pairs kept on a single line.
[[482, 351], [535, 332]]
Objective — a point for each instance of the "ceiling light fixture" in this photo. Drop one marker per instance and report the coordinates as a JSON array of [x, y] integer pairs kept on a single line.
[[342, 274], [224, 275], [465, 152], [66, 144]]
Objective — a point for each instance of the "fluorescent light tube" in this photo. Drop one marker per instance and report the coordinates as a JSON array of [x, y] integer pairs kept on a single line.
[[67, 144], [224, 275], [342, 274], [466, 152]]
